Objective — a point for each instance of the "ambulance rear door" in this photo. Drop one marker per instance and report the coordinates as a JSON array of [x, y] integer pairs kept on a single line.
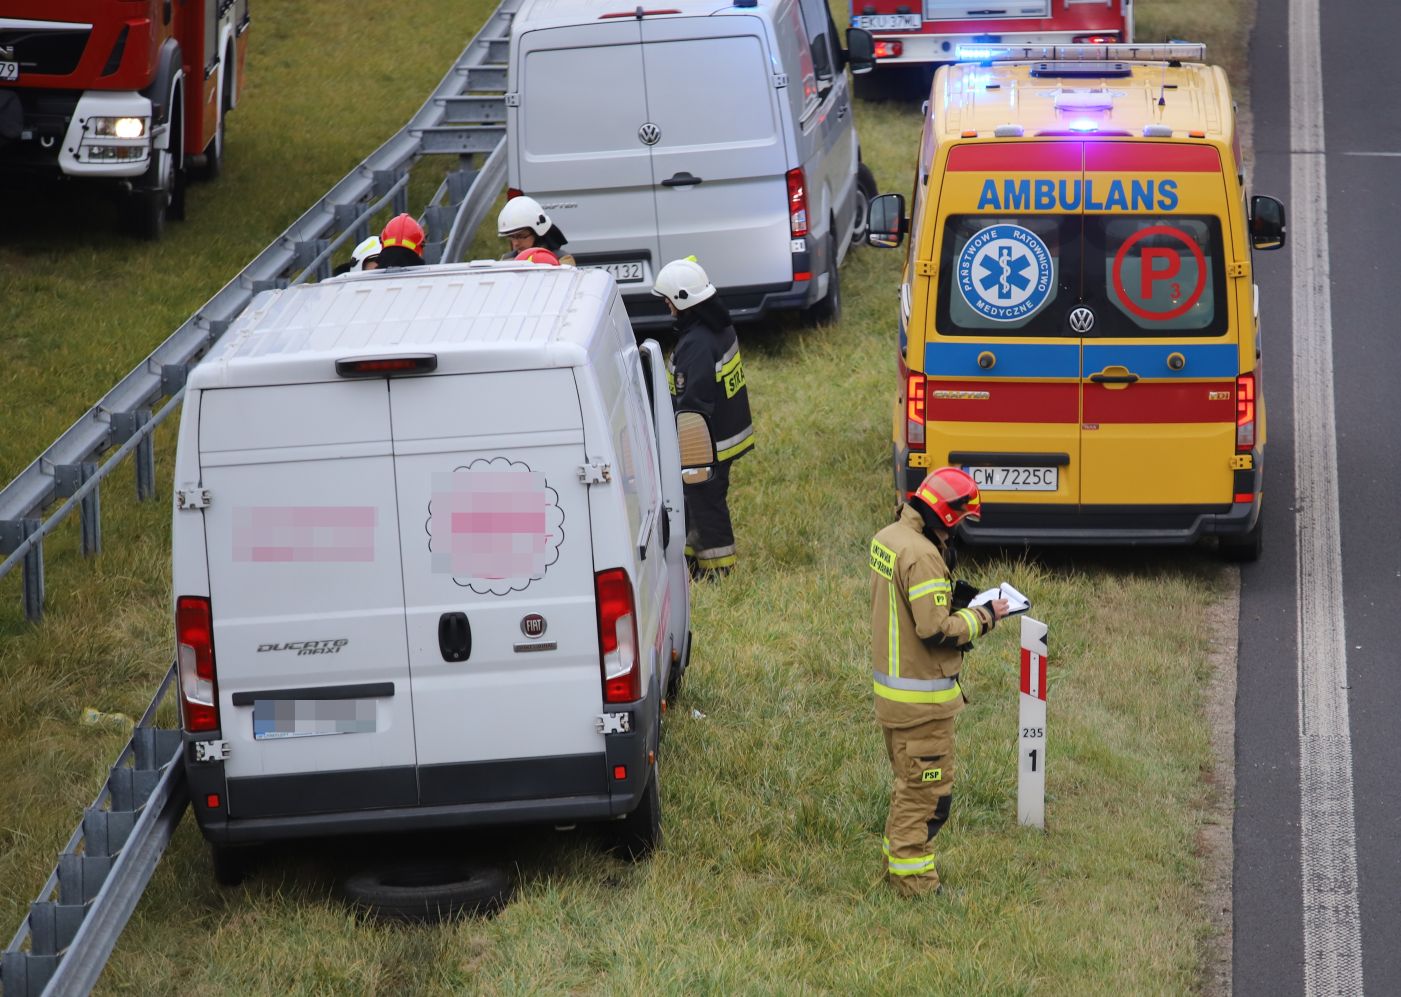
[[1002, 362], [1161, 355]]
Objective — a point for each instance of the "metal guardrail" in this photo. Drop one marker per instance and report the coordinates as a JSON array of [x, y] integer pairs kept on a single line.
[[465, 117], [71, 929]]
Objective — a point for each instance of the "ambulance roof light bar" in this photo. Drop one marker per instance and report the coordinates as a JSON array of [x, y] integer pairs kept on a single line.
[[1169, 52]]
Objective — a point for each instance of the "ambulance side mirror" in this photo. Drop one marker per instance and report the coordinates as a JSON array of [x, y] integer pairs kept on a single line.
[[1266, 222], [697, 448], [860, 51], [887, 225]]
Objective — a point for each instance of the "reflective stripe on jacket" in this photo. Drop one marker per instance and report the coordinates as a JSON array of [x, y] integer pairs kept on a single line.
[[916, 634]]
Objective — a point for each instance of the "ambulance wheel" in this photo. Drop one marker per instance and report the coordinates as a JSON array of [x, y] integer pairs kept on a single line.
[[639, 834], [231, 865], [865, 190], [828, 311], [1248, 548], [427, 890]]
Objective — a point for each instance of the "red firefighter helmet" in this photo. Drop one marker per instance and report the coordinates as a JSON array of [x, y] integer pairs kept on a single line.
[[538, 254], [952, 494], [402, 230]]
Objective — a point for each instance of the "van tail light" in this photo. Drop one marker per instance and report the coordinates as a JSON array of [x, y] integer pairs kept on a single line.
[[914, 409], [194, 654], [797, 203], [512, 192], [617, 637], [1245, 413]]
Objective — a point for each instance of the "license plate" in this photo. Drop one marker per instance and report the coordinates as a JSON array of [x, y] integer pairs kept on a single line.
[[9, 72], [274, 719], [1016, 479], [887, 22], [625, 272]]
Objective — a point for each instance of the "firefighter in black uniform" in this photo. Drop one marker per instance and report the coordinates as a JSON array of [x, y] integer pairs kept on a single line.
[[707, 376]]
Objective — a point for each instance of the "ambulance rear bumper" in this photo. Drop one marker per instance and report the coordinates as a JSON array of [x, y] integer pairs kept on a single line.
[[1051, 525]]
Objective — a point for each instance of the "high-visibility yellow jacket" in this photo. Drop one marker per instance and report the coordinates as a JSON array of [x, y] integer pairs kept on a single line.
[[916, 633]]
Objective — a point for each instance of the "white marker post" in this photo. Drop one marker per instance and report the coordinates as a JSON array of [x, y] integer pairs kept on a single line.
[[1031, 740]]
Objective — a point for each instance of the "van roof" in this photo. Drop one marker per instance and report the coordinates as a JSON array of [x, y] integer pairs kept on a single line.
[[556, 13], [479, 316], [970, 97]]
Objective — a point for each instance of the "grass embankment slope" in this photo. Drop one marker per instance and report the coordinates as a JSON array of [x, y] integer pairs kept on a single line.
[[774, 799]]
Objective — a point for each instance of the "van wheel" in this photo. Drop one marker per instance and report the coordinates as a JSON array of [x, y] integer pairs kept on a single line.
[[430, 890], [1248, 548], [639, 834], [232, 865], [865, 190], [828, 311]]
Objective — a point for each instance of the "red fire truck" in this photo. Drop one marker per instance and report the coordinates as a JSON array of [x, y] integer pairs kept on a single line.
[[132, 92], [919, 34]]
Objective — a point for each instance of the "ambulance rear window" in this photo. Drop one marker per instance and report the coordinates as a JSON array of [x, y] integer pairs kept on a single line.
[[1159, 275], [1004, 274]]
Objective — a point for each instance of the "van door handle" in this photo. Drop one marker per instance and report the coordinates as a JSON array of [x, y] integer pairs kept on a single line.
[[454, 637], [682, 179]]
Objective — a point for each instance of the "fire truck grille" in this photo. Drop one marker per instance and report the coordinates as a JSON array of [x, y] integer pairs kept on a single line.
[[50, 51]]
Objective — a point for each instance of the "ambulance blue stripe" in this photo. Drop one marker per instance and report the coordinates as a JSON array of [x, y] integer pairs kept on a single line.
[[1203, 360], [1013, 359]]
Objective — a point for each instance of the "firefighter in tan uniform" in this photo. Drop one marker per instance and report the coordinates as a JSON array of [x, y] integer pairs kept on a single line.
[[918, 641]]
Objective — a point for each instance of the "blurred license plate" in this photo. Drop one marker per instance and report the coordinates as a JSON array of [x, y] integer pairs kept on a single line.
[[628, 272], [1016, 479], [9, 72], [279, 718], [887, 22]]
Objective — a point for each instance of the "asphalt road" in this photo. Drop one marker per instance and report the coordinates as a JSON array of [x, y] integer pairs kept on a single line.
[[1286, 928]]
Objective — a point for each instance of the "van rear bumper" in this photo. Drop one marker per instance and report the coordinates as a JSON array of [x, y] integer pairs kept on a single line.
[[1014, 525], [745, 304]]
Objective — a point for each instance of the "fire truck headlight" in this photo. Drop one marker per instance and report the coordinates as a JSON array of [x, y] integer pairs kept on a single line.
[[127, 128]]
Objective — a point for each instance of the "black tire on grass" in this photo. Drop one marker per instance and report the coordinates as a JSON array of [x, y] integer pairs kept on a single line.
[[639, 834], [431, 890]]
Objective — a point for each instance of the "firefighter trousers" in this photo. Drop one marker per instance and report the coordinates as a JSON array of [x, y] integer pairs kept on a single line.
[[922, 770], [710, 539]]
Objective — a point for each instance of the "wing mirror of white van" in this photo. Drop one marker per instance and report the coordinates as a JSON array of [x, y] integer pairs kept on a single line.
[[1266, 222], [860, 51], [697, 447], [887, 225]]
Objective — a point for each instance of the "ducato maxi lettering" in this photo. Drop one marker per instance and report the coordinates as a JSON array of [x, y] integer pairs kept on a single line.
[[302, 647], [1074, 195]]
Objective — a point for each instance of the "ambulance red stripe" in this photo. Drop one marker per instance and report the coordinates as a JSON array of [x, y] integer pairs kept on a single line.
[[1161, 402], [1006, 401], [1016, 157], [1150, 157]]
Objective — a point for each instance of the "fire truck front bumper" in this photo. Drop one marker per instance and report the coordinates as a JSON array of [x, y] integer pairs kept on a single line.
[[109, 135]]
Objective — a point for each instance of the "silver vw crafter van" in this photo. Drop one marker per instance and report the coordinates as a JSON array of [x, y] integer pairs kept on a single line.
[[694, 129], [428, 565]]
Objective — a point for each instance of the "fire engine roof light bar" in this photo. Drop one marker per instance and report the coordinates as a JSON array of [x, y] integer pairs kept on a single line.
[[1170, 52]]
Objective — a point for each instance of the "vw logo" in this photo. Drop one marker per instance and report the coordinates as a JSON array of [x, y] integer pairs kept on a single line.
[[1082, 320], [649, 133]]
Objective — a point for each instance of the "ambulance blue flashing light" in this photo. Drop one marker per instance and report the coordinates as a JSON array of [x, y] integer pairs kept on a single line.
[[1084, 125]]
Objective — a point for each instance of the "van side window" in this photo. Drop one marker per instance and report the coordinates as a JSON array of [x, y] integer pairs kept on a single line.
[[816, 19], [1005, 273], [796, 55]]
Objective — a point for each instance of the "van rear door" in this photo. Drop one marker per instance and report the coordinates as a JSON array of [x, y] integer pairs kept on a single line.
[[498, 577], [308, 604], [581, 143], [1160, 364], [721, 158]]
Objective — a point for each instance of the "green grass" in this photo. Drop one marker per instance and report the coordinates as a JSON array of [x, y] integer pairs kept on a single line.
[[774, 800]]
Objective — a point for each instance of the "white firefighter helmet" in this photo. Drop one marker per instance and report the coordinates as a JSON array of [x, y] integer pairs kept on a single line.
[[523, 212], [683, 283], [366, 250]]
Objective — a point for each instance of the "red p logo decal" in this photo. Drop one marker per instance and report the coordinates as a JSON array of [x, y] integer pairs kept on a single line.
[[1158, 263]]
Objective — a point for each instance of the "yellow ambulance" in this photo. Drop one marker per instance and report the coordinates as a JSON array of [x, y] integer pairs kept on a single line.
[[1079, 325]]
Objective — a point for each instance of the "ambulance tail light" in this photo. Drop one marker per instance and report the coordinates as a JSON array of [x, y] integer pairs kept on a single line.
[[914, 409], [1245, 413], [617, 637], [797, 203], [194, 654]]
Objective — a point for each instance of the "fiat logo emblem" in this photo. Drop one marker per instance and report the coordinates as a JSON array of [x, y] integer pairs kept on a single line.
[[650, 134], [1082, 319], [533, 625]]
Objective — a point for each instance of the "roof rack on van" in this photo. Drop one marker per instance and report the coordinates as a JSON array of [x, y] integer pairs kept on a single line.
[[1169, 52]]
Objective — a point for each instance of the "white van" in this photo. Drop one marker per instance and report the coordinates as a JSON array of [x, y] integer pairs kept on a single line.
[[720, 132], [428, 559]]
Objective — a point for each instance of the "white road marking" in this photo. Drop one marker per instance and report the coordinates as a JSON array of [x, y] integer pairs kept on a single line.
[[1388, 154], [1332, 932]]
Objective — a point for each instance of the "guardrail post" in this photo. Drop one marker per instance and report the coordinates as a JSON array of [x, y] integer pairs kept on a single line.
[[125, 425], [14, 533], [68, 478]]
